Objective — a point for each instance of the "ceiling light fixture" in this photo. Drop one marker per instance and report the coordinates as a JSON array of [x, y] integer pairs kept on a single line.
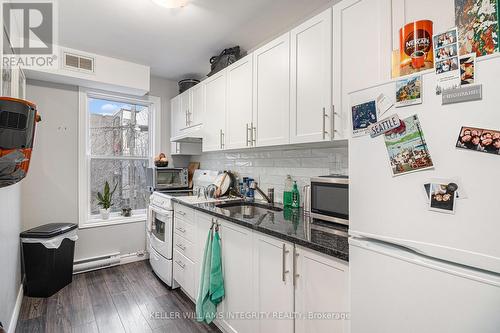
[[171, 3]]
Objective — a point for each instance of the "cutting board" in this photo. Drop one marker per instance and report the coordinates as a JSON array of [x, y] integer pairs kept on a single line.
[[191, 168]]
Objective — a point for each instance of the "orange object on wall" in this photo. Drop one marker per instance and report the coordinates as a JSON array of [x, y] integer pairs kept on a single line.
[[18, 120], [415, 47]]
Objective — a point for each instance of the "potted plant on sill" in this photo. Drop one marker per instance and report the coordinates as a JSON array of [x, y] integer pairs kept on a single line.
[[104, 200]]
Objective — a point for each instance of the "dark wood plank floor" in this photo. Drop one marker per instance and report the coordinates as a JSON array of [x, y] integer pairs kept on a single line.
[[127, 298]]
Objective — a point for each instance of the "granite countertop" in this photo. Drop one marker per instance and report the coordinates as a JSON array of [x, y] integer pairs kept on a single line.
[[290, 224]]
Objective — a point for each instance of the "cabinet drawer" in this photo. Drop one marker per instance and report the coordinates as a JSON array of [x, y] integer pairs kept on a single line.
[[184, 229], [184, 273], [184, 246], [184, 213]]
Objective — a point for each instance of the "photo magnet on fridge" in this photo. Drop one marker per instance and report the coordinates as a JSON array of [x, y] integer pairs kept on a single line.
[[409, 91], [443, 197], [479, 139], [407, 149], [363, 115], [467, 69]]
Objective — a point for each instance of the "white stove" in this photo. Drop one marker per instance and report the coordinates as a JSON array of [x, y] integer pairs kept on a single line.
[[160, 223]]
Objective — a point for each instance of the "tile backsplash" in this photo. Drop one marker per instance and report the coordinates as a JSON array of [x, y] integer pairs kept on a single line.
[[270, 167]]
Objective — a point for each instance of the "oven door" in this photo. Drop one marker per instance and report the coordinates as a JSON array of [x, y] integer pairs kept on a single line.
[[169, 178], [330, 202], [160, 224]]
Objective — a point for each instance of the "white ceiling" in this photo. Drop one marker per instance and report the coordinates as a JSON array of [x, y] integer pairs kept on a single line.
[[175, 42]]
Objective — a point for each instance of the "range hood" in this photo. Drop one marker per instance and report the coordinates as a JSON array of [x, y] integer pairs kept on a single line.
[[191, 135]]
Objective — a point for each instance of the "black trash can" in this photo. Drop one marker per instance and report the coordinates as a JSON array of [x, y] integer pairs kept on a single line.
[[47, 255]]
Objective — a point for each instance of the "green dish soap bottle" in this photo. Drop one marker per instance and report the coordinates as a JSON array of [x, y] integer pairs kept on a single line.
[[295, 196], [287, 193]]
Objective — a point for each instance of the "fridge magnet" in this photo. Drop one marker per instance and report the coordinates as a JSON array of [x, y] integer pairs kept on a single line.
[[467, 69], [460, 192], [384, 104], [443, 197], [415, 47], [447, 65], [384, 126], [478, 26], [407, 148], [409, 91], [479, 139], [467, 93], [363, 115]]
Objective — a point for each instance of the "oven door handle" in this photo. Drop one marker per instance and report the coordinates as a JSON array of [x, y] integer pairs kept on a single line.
[[159, 210]]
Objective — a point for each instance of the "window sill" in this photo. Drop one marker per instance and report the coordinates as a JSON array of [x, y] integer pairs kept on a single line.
[[98, 222]]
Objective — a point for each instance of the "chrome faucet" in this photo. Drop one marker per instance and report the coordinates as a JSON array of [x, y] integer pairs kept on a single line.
[[254, 186]]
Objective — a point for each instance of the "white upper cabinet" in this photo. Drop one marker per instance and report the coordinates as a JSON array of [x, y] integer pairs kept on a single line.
[[441, 12], [214, 123], [272, 92], [362, 52], [321, 287], [177, 117], [311, 80], [239, 104], [195, 115]]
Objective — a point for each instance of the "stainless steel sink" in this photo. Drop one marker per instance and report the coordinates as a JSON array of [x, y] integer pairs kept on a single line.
[[255, 205], [248, 210]]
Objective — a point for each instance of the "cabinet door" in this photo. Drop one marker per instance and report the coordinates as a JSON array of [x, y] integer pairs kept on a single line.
[[215, 112], [272, 92], [178, 119], [311, 80], [239, 104], [441, 13], [237, 254], [195, 115], [322, 288], [362, 52], [273, 285], [203, 223]]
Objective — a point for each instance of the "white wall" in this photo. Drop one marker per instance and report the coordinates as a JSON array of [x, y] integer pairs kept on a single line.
[[50, 191], [10, 257]]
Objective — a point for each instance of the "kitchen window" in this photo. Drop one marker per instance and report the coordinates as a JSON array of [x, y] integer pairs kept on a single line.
[[117, 141]]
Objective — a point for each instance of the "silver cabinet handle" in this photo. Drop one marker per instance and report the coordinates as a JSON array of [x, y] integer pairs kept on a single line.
[[254, 135], [333, 119], [180, 246], [325, 132], [180, 212], [181, 229], [248, 128], [223, 139], [220, 139], [295, 274], [178, 262], [284, 271]]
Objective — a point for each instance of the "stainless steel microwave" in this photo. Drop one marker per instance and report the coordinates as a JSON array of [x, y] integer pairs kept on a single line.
[[329, 199], [167, 178]]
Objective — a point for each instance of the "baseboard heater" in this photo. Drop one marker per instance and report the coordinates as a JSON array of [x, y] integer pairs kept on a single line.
[[92, 264]]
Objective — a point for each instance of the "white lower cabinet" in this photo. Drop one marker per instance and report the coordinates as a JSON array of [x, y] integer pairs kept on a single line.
[[238, 283], [273, 283], [184, 273], [321, 289], [260, 292]]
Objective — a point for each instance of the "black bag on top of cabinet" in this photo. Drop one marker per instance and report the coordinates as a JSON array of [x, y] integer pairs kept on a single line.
[[226, 58]]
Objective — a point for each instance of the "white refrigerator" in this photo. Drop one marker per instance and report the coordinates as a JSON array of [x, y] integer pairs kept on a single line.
[[416, 270]]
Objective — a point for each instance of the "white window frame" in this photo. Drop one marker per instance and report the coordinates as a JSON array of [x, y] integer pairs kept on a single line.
[[86, 220]]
